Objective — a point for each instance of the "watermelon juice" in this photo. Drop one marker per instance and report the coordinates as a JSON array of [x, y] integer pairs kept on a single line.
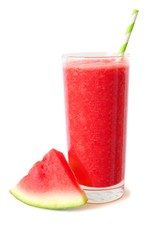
[[96, 87]]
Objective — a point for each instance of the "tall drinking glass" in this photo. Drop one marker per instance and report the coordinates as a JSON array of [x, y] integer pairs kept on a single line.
[[96, 86]]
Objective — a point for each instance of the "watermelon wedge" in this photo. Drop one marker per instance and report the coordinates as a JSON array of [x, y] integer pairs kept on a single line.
[[50, 184]]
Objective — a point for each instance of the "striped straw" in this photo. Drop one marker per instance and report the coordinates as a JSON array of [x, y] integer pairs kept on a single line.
[[128, 33]]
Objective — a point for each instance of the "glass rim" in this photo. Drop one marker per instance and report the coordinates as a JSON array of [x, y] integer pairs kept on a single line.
[[90, 55]]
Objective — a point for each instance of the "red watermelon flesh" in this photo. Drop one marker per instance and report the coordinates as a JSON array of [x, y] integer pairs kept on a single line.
[[50, 184]]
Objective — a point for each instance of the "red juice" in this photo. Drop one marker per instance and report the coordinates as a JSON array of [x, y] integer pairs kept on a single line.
[[96, 109]]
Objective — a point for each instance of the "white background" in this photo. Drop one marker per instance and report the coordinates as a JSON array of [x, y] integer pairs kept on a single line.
[[33, 36]]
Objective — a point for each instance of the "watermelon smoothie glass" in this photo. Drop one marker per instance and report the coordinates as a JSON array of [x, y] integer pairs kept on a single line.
[[96, 87]]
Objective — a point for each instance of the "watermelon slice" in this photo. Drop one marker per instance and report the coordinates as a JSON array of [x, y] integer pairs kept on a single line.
[[50, 184]]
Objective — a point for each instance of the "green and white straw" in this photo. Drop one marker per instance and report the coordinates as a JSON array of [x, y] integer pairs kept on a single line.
[[128, 33]]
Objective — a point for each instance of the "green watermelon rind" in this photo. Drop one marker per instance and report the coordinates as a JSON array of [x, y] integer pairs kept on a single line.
[[50, 200]]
